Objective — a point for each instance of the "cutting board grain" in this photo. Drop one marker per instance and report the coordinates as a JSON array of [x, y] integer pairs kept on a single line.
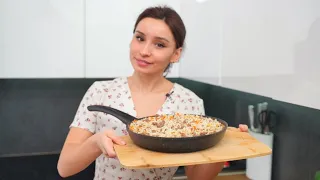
[[235, 145]]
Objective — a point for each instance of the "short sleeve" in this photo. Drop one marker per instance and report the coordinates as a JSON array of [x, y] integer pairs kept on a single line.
[[84, 118], [199, 107]]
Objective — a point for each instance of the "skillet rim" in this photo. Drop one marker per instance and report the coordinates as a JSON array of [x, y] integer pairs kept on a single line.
[[226, 125]]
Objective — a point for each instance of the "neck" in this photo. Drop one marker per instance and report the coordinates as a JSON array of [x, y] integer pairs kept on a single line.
[[147, 83]]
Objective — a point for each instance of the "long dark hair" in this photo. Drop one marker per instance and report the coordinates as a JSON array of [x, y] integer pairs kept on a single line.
[[171, 18]]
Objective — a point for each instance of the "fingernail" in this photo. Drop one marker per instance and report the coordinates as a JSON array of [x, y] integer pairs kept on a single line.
[[123, 143]]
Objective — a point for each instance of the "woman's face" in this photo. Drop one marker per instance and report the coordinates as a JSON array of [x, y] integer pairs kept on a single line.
[[153, 47]]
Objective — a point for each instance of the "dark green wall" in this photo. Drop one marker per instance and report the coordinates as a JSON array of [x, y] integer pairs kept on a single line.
[[296, 153]]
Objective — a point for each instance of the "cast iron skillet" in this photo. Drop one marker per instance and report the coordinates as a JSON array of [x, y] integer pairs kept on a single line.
[[164, 144]]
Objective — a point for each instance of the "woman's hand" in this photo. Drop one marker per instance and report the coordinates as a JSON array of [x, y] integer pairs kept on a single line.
[[79, 142], [243, 128], [105, 141]]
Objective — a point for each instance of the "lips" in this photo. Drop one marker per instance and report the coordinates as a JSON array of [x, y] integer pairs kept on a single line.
[[143, 63]]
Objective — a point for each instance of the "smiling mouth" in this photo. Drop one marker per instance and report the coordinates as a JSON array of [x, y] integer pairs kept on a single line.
[[142, 62]]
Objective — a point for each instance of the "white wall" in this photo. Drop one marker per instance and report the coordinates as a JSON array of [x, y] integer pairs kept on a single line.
[[277, 47], [201, 58], [41, 37], [270, 48], [69, 38]]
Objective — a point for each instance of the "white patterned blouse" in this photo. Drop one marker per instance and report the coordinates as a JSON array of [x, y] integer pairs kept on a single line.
[[116, 93]]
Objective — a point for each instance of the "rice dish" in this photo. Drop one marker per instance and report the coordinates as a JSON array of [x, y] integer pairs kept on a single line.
[[176, 126]]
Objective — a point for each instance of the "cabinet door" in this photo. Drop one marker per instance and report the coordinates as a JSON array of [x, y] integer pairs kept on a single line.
[[202, 59], [42, 39], [272, 49], [109, 29]]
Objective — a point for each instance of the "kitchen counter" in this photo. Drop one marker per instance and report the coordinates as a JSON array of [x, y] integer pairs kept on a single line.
[[44, 167], [224, 175], [240, 176]]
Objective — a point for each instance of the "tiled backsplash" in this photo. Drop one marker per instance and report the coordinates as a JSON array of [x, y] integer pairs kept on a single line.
[[35, 115]]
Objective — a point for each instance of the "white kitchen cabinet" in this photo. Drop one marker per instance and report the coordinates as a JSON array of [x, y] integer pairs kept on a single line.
[[272, 49], [42, 38], [202, 57], [109, 29], [266, 48]]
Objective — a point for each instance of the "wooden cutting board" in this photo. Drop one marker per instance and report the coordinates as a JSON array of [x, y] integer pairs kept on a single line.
[[235, 145]]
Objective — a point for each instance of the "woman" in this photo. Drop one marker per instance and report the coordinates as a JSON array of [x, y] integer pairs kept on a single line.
[[157, 42]]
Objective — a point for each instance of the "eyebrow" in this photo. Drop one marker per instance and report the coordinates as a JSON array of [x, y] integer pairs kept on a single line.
[[156, 37]]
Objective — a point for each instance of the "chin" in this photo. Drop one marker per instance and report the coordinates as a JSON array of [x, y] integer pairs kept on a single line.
[[146, 71], [143, 71]]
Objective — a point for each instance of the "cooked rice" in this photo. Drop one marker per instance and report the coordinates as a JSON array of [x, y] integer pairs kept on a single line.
[[176, 125]]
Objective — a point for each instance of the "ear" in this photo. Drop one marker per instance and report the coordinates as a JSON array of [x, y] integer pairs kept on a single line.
[[176, 55]]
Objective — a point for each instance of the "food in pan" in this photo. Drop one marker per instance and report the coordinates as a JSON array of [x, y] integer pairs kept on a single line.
[[176, 126]]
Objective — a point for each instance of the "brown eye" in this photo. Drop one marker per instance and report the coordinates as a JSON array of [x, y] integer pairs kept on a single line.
[[139, 38], [160, 45]]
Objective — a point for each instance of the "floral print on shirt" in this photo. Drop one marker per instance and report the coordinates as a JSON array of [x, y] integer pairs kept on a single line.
[[116, 93]]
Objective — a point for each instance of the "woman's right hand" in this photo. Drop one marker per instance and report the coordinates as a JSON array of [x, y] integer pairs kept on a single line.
[[105, 141]]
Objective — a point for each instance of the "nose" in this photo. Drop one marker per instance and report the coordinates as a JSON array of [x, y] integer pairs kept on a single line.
[[145, 50]]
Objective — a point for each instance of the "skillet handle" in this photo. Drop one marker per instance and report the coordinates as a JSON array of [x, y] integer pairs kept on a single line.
[[122, 116]]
